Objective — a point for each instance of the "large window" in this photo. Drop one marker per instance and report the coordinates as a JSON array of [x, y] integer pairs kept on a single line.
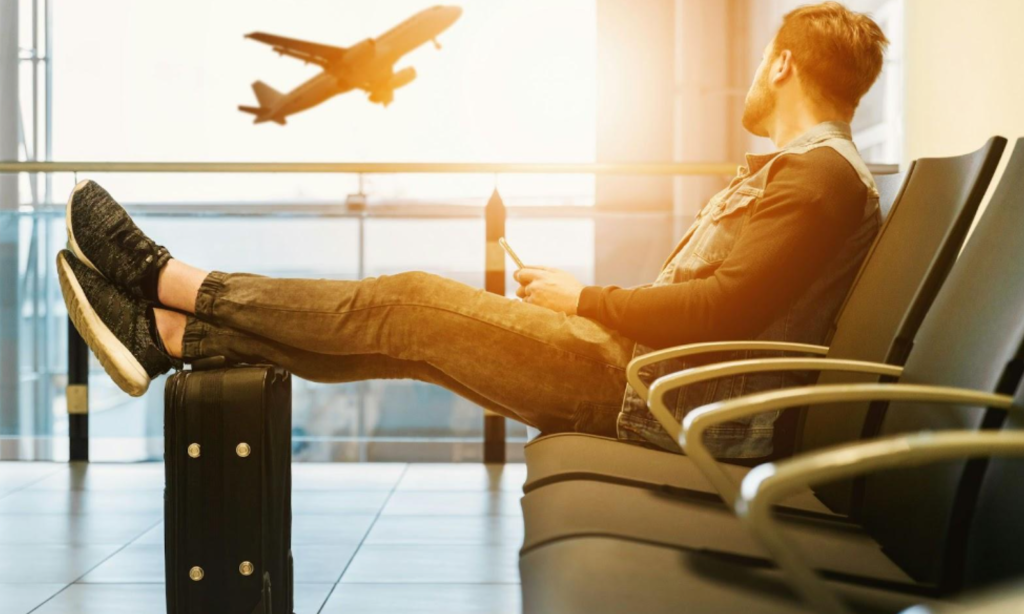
[[140, 81]]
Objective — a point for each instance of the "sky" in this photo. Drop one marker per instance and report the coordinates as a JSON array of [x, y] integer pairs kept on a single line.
[[513, 82]]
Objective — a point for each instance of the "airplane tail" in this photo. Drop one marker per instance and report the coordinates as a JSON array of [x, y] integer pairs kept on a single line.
[[265, 94]]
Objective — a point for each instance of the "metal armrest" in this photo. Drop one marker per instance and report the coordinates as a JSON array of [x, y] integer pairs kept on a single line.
[[667, 383], [693, 349], [770, 483], [702, 418]]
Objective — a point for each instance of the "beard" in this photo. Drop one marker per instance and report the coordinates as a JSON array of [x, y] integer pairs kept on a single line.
[[759, 106]]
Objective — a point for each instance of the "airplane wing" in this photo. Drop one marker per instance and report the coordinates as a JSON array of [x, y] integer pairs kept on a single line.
[[302, 50]]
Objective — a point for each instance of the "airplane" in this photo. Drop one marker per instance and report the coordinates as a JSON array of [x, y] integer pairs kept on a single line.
[[369, 65]]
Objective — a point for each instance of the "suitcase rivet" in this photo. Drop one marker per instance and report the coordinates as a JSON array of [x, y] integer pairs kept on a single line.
[[246, 568], [193, 450], [243, 449], [196, 573]]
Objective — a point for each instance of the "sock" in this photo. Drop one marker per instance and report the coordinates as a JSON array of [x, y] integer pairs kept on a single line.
[[158, 342]]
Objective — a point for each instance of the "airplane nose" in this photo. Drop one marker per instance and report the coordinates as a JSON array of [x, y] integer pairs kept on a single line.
[[456, 12]]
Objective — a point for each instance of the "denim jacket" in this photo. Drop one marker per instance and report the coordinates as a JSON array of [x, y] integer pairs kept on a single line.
[[808, 320]]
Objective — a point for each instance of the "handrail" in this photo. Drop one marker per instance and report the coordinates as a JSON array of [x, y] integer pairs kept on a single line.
[[658, 168], [722, 168]]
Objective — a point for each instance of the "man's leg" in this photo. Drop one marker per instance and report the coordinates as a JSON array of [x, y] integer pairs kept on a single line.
[[206, 340], [556, 372]]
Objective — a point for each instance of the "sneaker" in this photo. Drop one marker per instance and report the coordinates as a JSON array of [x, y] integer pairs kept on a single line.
[[118, 328], [103, 237]]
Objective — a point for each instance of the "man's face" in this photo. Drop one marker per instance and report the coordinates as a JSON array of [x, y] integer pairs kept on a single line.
[[761, 98]]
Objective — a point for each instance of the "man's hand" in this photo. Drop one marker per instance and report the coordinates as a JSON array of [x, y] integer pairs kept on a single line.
[[551, 288]]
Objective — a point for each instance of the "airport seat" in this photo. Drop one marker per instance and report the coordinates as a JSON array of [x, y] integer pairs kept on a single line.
[[965, 362], [932, 208]]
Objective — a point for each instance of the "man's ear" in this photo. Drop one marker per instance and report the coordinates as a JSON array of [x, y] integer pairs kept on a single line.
[[782, 67]]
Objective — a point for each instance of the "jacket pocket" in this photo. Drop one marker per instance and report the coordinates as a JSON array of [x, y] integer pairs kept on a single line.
[[726, 222]]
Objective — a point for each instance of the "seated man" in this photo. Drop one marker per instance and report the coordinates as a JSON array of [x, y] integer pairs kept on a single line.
[[772, 256]]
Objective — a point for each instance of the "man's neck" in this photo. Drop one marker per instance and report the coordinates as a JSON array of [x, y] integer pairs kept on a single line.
[[785, 128]]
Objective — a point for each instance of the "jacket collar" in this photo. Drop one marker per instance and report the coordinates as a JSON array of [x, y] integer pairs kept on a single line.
[[818, 133]]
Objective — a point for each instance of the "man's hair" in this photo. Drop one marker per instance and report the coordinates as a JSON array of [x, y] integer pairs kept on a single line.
[[838, 52]]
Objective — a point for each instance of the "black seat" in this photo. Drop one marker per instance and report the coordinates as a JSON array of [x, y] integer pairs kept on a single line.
[[922, 234], [973, 337]]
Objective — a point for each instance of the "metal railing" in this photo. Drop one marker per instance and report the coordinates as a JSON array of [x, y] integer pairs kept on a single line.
[[495, 214]]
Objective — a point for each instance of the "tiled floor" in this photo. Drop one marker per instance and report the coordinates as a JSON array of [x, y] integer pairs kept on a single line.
[[368, 538]]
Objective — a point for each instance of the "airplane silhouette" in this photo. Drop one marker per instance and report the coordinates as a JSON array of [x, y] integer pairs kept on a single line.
[[369, 65]]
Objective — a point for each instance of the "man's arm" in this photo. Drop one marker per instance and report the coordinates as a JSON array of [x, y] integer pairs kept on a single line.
[[812, 204]]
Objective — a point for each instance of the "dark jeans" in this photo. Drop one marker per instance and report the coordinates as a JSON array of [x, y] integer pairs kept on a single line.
[[554, 372]]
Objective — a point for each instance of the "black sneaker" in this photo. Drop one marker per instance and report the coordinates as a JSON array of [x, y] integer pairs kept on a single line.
[[120, 329], [103, 237]]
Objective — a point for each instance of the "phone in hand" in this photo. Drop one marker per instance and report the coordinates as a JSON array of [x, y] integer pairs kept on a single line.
[[504, 245]]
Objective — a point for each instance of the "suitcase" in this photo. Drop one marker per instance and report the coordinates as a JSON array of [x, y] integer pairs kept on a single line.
[[227, 501]]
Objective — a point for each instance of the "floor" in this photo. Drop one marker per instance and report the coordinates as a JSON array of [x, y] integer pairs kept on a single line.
[[368, 538]]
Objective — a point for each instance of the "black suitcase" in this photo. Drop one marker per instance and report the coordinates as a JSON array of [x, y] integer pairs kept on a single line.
[[227, 502]]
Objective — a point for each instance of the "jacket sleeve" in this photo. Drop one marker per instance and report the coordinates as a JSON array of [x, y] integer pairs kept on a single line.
[[812, 204]]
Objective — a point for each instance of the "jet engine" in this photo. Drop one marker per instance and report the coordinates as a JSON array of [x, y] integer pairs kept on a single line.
[[385, 94]]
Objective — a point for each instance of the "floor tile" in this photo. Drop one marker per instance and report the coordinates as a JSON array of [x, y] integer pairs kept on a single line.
[[74, 529], [23, 598], [330, 529], [424, 599], [15, 475], [152, 536], [82, 502], [321, 564], [137, 563], [447, 530], [108, 599], [346, 476], [107, 477], [434, 564], [309, 598], [469, 476], [355, 502], [50, 564], [411, 503]]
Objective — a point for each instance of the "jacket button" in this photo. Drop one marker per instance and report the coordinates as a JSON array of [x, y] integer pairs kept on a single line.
[[243, 449], [246, 568], [196, 573], [193, 451]]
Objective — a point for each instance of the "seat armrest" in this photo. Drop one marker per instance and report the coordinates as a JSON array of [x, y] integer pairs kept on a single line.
[[699, 420], [694, 349], [770, 483], [663, 385]]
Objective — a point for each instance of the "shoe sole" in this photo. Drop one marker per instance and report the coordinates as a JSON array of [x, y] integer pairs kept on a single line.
[[117, 360], [72, 244]]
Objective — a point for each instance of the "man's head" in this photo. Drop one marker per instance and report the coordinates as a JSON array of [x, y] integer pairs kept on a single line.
[[824, 57]]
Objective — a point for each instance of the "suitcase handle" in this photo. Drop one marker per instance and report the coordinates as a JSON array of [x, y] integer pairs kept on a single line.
[[215, 362]]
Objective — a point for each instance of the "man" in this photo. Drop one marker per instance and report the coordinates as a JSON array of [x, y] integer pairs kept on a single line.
[[770, 257]]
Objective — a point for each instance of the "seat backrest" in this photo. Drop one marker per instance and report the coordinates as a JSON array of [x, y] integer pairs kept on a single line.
[[897, 283], [889, 188], [995, 542], [972, 337]]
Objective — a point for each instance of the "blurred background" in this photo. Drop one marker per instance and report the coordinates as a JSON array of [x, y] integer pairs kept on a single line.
[[523, 81]]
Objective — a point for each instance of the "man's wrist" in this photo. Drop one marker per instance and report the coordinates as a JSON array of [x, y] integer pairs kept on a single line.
[[586, 301]]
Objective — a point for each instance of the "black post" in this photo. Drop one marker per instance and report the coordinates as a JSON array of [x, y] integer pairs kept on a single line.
[[78, 395], [494, 281]]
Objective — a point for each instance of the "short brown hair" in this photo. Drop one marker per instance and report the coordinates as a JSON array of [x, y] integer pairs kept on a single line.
[[838, 52]]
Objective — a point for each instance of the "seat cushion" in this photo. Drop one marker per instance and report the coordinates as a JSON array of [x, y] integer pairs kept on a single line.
[[604, 575], [576, 508], [575, 456]]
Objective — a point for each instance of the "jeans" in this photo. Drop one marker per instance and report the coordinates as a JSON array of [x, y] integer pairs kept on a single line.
[[555, 372]]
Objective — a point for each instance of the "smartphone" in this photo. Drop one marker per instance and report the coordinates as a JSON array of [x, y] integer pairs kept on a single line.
[[504, 245]]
